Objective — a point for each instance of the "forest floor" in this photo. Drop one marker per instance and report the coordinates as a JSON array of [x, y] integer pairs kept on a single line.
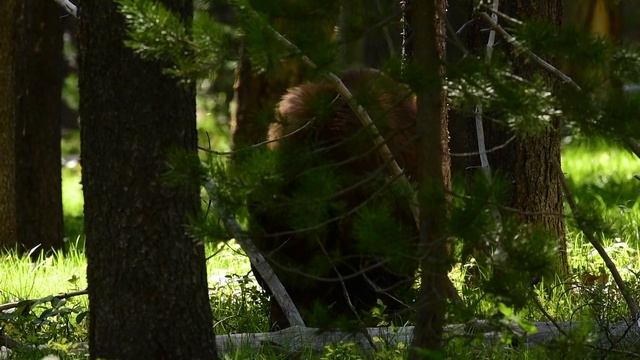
[[605, 179]]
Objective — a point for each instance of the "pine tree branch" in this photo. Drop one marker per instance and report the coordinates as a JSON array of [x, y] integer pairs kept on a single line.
[[257, 260], [257, 145], [519, 46], [634, 310], [345, 292], [69, 7]]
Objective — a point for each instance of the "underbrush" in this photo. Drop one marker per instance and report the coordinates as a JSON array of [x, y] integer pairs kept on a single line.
[[601, 175]]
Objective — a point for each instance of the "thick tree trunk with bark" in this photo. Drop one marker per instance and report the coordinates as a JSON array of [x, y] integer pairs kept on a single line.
[[30, 85], [427, 26], [533, 163], [147, 277]]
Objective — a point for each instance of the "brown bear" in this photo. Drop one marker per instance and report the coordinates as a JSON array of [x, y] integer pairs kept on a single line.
[[318, 222]]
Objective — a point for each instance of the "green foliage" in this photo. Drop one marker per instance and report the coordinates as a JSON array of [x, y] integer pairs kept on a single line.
[[56, 322], [527, 107], [52, 324], [191, 52], [306, 23], [602, 178], [239, 305], [347, 351], [70, 93], [379, 233]]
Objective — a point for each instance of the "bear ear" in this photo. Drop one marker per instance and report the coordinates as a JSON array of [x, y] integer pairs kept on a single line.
[[298, 103]]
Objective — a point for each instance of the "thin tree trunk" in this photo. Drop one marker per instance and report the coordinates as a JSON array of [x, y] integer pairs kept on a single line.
[[147, 277], [30, 85], [427, 25]]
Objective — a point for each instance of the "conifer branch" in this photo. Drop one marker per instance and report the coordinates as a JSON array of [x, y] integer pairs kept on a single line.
[[257, 259], [352, 275], [256, 145], [519, 46], [347, 297], [631, 143]]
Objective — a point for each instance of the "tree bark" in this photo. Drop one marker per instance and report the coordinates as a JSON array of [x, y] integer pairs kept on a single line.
[[533, 163], [146, 276], [434, 177], [30, 85], [530, 164]]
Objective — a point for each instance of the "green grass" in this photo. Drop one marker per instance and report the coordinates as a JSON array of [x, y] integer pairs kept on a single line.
[[602, 179], [20, 278], [595, 162]]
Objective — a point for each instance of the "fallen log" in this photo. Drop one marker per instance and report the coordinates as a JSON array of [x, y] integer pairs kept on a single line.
[[616, 338], [295, 339]]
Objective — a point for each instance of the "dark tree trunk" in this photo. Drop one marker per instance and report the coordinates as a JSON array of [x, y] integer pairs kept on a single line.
[[30, 84], [427, 26], [533, 163], [146, 275]]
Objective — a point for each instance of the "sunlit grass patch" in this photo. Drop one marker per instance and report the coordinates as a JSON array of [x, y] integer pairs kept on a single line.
[[598, 163], [604, 180], [22, 278]]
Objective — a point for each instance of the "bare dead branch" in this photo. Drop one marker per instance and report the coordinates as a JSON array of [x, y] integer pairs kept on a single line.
[[296, 339], [257, 260], [499, 13], [519, 46], [69, 7], [30, 302], [493, 149], [257, 145]]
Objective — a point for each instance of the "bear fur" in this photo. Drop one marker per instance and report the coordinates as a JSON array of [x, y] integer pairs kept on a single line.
[[319, 143]]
